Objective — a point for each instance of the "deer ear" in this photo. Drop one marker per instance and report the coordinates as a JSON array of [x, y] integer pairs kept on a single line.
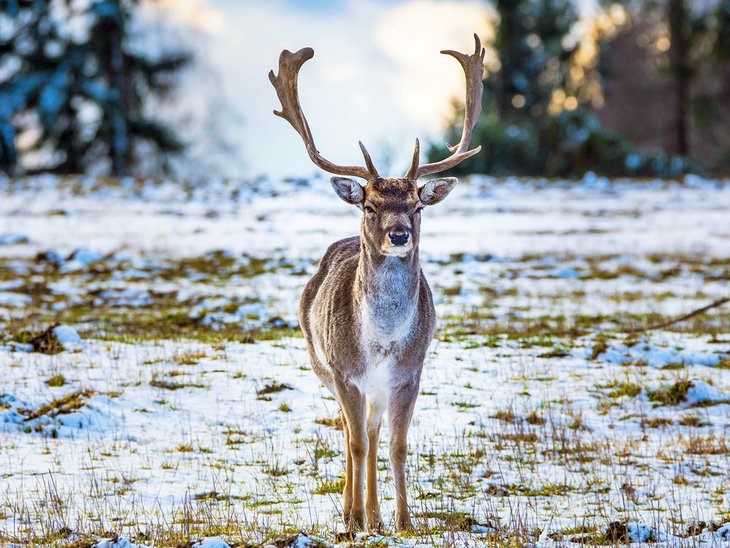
[[347, 189], [436, 190]]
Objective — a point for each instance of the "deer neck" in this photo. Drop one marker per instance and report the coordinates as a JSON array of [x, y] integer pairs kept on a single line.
[[387, 289]]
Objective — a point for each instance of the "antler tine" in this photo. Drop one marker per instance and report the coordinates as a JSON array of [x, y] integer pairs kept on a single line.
[[473, 66], [287, 89], [414, 163], [368, 161]]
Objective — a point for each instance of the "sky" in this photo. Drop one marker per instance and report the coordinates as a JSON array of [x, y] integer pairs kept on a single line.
[[377, 76]]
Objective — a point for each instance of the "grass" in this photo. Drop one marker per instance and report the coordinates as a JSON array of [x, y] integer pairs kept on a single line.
[[44, 341], [335, 422], [451, 520], [618, 389], [273, 387], [555, 440], [506, 415], [167, 384], [706, 445], [161, 316], [671, 395], [693, 421], [189, 358], [56, 381], [60, 406], [330, 486]]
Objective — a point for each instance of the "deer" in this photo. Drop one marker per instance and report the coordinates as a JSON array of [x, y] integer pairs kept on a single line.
[[367, 313]]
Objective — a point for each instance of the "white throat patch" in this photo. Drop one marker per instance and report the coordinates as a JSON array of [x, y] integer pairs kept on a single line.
[[387, 310]]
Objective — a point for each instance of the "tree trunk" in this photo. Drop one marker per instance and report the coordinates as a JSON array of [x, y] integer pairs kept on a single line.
[[119, 146], [681, 73], [507, 45]]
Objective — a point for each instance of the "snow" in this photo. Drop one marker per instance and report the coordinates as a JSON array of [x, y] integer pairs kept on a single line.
[[701, 392], [661, 356], [66, 335], [14, 299], [118, 543], [482, 529], [508, 252], [13, 239], [212, 542], [86, 256]]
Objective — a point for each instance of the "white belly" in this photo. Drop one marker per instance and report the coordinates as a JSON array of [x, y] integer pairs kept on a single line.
[[375, 382], [383, 339]]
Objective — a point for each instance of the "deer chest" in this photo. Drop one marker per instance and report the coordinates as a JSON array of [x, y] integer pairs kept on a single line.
[[388, 310]]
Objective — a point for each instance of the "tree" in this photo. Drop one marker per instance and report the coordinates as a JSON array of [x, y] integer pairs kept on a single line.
[[539, 111], [681, 30], [673, 58], [530, 121], [533, 53], [78, 101]]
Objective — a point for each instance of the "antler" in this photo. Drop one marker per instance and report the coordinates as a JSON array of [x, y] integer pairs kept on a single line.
[[286, 86], [473, 66]]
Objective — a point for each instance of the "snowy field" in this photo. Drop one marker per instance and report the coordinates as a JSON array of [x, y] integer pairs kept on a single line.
[[174, 401]]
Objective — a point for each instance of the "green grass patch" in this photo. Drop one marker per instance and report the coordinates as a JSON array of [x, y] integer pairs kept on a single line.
[[330, 486], [671, 395]]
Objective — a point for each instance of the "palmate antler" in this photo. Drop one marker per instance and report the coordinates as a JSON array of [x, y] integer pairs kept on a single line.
[[287, 89], [473, 66], [286, 85]]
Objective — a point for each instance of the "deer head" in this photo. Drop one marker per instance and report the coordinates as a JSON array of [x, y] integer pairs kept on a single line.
[[391, 206]]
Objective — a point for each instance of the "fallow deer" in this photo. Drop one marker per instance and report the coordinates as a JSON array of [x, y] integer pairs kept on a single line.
[[367, 313]]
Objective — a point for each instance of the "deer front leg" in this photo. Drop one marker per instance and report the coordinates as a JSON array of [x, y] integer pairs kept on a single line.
[[400, 412], [372, 508], [352, 403], [347, 491]]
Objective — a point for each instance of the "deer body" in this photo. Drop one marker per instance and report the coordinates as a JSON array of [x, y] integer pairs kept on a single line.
[[367, 313], [369, 352]]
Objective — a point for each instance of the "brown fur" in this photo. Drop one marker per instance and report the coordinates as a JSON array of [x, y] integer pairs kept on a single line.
[[367, 313], [357, 300]]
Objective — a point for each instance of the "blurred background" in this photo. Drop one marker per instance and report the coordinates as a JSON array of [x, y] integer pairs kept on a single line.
[[179, 88]]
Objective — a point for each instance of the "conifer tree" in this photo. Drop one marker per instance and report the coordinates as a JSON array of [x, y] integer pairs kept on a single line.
[[81, 99], [537, 119]]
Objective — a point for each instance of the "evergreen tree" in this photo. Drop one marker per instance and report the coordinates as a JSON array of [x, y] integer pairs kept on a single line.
[[533, 56], [537, 118], [81, 99]]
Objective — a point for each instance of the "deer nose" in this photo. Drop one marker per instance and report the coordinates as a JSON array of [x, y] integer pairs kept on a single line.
[[398, 238]]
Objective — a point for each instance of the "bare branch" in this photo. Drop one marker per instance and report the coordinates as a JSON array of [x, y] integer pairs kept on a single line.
[[687, 316]]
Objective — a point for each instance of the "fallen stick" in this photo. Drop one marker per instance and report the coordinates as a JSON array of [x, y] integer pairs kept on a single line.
[[692, 314]]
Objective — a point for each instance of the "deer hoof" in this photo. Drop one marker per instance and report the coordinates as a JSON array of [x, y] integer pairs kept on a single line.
[[375, 524], [403, 524], [355, 522]]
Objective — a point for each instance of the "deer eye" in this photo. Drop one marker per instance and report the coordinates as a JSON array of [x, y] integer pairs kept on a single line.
[[368, 209], [418, 210]]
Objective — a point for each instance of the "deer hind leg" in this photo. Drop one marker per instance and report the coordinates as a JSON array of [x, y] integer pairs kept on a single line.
[[400, 411], [372, 508], [353, 409], [347, 492]]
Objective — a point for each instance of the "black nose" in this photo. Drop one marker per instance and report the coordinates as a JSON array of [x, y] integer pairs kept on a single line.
[[398, 238]]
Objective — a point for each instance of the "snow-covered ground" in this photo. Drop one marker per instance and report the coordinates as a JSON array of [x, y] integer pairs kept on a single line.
[[175, 401]]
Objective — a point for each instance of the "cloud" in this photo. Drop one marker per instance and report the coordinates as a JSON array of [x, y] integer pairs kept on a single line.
[[411, 35], [195, 14], [376, 76]]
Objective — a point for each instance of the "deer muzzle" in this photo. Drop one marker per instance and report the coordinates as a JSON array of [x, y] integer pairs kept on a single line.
[[398, 238], [398, 242]]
